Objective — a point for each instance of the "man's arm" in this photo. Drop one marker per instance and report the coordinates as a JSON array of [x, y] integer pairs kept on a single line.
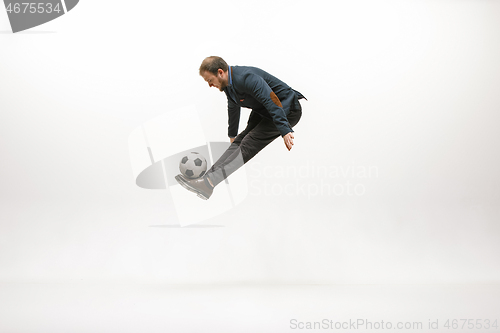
[[233, 113], [262, 92]]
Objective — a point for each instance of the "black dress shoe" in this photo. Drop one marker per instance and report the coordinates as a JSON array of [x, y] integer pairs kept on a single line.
[[200, 186]]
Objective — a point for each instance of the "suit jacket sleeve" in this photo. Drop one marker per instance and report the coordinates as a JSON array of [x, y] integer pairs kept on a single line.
[[233, 112], [257, 87]]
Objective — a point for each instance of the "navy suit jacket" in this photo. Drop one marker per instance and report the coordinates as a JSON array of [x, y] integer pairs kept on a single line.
[[266, 95]]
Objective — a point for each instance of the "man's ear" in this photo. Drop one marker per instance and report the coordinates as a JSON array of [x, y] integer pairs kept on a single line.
[[220, 72]]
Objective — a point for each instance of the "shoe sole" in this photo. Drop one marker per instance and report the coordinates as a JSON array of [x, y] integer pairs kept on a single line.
[[189, 188], [202, 196], [183, 184]]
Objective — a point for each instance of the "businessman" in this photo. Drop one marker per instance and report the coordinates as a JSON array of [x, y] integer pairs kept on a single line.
[[275, 110]]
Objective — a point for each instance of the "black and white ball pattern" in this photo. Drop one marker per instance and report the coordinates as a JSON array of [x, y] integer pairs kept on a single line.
[[193, 165]]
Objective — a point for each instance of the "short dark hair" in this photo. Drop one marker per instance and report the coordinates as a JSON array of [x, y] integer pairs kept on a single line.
[[212, 65]]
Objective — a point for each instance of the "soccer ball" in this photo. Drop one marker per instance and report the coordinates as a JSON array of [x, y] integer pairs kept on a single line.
[[193, 165]]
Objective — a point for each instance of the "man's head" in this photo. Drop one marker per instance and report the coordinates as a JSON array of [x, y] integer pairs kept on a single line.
[[214, 71]]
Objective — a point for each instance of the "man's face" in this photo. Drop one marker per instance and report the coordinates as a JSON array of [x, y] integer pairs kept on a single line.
[[218, 81]]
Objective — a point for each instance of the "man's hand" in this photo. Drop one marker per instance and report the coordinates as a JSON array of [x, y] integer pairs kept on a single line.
[[231, 140], [288, 138]]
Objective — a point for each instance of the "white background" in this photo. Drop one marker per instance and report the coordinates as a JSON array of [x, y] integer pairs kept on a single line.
[[409, 88]]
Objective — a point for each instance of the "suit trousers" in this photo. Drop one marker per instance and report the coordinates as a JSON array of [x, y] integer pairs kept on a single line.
[[260, 132]]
